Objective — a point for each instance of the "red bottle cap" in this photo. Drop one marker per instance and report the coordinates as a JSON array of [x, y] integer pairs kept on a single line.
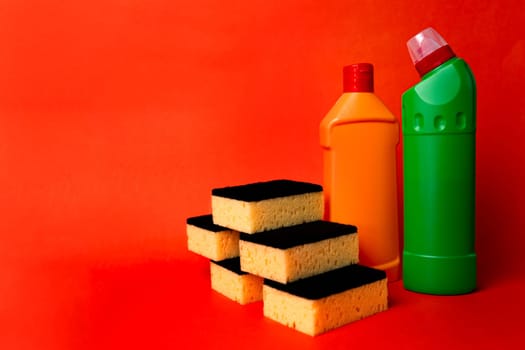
[[358, 77], [428, 50]]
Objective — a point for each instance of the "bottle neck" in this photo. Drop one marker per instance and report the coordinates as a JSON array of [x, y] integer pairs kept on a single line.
[[434, 60]]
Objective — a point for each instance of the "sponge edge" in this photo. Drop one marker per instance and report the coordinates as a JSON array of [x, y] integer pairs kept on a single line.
[[230, 281], [267, 205], [211, 241], [324, 302]]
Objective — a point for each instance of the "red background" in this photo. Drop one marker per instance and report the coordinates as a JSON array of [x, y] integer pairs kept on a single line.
[[118, 117]]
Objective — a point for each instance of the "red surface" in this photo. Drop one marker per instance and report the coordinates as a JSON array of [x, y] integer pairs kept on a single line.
[[118, 117]]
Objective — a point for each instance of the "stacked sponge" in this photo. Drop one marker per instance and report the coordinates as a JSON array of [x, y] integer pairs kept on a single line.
[[221, 246], [305, 269]]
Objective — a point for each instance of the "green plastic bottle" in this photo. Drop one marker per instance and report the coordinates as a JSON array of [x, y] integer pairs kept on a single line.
[[439, 126]]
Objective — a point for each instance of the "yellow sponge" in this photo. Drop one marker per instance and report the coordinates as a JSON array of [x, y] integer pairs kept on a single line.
[[211, 241], [291, 253], [228, 279], [267, 205], [317, 304]]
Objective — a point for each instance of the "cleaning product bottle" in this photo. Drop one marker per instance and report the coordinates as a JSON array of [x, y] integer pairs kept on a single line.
[[439, 124], [359, 136]]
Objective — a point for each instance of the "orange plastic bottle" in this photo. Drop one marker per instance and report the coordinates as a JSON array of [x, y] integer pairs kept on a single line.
[[359, 136]]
